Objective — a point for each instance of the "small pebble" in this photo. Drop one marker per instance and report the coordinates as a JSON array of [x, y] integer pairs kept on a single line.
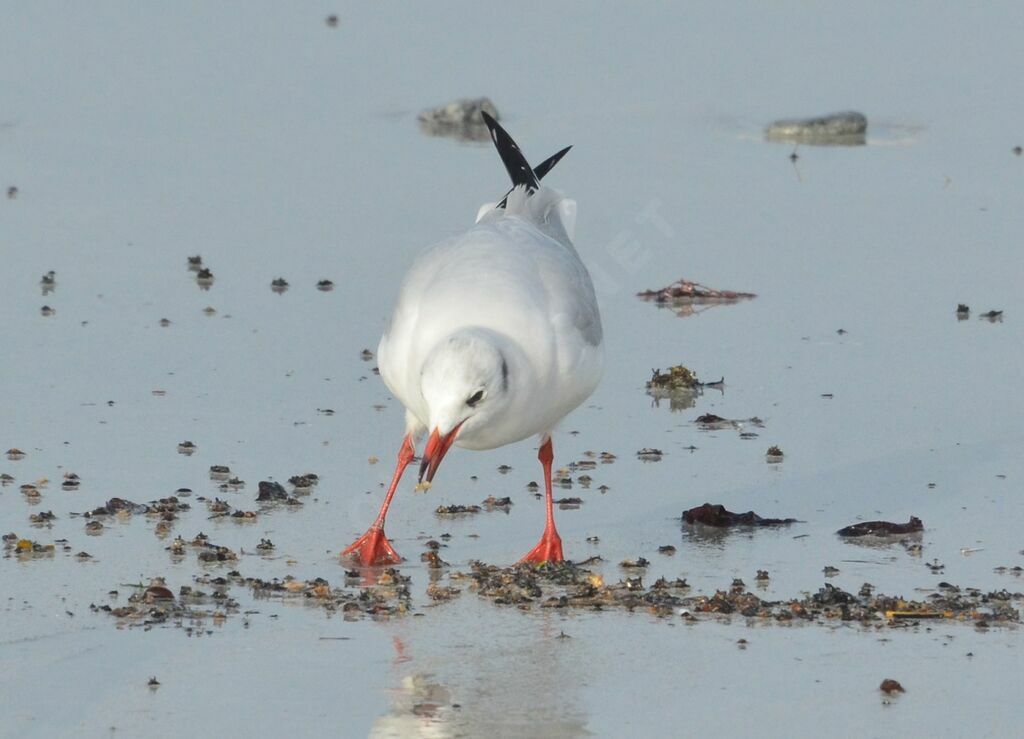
[[890, 686]]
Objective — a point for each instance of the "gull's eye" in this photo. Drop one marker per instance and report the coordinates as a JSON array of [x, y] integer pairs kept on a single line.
[[475, 398]]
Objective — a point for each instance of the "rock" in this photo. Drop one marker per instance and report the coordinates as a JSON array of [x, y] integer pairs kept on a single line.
[[459, 119], [847, 128]]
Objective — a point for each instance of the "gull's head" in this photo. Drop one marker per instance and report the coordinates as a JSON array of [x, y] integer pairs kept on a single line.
[[465, 384]]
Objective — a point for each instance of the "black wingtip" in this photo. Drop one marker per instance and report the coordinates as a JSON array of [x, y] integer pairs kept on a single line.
[[548, 164], [540, 170], [519, 170]]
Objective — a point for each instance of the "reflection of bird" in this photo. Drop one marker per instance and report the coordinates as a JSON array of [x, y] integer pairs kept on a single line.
[[496, 337], [421, 707]]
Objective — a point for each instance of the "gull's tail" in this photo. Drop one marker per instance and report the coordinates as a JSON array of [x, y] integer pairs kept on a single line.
[[519, 170]]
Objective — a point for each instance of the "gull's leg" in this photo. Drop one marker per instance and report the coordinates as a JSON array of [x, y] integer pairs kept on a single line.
[[373, 548], [550, 547]]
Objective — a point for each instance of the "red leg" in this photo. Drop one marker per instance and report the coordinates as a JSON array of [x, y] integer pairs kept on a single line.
[[550, 547], [373, 548]]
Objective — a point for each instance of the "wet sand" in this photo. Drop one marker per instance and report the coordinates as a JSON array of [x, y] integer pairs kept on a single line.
[[300, 158]]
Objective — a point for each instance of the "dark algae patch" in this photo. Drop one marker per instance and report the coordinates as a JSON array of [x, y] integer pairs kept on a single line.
[[882, 528], [716, 515]]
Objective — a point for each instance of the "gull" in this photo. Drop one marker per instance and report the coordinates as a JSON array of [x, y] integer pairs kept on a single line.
[[495, 337]]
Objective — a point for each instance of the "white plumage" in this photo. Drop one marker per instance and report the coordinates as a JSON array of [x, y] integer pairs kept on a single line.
[[515, 278], [495, 337]]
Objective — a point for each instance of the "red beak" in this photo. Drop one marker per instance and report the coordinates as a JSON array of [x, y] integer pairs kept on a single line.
[[437, 447]]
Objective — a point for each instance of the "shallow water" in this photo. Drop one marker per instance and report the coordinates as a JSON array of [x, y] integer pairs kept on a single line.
[[274, 146]]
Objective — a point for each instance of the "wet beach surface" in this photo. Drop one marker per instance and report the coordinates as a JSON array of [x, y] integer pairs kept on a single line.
[[280, 146]]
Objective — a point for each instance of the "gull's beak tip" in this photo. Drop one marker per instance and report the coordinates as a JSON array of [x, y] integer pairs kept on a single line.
[[437, 446]]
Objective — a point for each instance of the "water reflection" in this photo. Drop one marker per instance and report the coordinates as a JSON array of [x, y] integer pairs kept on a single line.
[[682, 399], [421, 707], [509, 678]]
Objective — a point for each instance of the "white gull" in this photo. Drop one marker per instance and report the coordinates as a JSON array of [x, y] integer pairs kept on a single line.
[[496, 337]]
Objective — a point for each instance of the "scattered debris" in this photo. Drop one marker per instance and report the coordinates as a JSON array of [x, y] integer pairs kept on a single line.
[[882, 528], [634, 564], [502, 504], [26, 548], [569, 585], [718, 516], [165, 508], [304, 484], [456, 510], [43, 518]]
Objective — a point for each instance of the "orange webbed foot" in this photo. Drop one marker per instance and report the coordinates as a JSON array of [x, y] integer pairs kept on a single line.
[[372, 549]]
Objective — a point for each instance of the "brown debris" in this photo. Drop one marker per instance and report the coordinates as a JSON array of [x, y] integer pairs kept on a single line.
[[676, 378], [890, 686], [684, 295], [684, 290]]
